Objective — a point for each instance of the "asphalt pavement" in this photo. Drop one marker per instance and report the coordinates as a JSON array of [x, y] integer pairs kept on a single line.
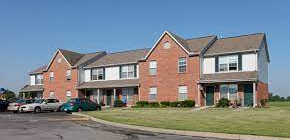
[[62, 126]]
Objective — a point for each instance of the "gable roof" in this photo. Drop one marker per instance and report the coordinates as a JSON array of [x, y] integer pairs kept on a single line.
[[38, 70], [192, 46], [74, 59], [118, 58], [243, 43]]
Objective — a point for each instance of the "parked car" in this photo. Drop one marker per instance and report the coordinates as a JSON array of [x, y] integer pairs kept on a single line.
[[3, 105], [14, 106], [78, 105], [42, 105]]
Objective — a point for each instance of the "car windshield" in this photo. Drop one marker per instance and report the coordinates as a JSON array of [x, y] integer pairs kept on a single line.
[[39, 101], [74, 100], [20, 101]]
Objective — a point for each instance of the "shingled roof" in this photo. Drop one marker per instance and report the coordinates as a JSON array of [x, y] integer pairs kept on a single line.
[[195, 45], [229, 77], [124, 57], [109, 84], [38, 70], [71, 57], [31, 88], [242, 43]]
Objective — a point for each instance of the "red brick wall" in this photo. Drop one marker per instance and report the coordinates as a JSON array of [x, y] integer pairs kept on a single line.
[[60, 85], [262, 91], [168, 79]]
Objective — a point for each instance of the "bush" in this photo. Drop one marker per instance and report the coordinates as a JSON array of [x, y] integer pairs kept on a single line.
[[175, 104], [263, 102], [223, 102], [165, 103], [188, 103], [118, 103], [142, 104], [154, 104]]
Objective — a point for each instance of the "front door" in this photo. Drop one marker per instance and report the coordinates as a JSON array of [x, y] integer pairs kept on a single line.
[[209, 96], [109, 97], [248, 95]]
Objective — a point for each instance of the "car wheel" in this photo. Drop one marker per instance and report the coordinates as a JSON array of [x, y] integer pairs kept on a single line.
[[59, 109], [80, 110], [37, 110]]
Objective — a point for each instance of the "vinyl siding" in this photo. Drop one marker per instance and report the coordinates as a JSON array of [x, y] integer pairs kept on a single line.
[[263, 64]]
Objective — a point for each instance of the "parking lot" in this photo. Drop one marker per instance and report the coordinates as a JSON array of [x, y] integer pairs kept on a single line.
[[62, 126]]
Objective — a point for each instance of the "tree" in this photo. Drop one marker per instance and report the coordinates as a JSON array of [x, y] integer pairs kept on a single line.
[[288, 98], [9, 95]]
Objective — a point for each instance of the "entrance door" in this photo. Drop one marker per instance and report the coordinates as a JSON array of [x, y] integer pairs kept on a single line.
[[248, 95], [209, 96], [109, 97]]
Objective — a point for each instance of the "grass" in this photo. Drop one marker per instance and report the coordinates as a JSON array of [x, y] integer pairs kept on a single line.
[[272, 121]]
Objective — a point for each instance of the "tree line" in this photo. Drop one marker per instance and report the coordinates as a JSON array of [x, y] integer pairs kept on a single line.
[[274, 98]]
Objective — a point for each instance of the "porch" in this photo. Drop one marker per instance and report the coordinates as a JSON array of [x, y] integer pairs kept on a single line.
[[32, 91]]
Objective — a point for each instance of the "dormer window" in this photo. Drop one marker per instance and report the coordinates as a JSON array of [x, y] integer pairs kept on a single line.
[[166, 45]]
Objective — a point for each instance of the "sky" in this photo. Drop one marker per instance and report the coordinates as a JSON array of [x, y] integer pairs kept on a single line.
[[32, 30]]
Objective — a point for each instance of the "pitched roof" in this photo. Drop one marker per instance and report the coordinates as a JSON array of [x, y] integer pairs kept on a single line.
[[88, 57], [120, 58], [31, 88], [229, 77], [194, 45], [38, 70], [109, 83], [236, 44], [71, 57]]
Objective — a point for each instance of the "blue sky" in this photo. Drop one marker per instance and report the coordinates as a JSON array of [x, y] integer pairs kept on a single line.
[[31, 31]]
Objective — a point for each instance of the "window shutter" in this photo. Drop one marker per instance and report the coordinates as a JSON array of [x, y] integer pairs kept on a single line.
[[120, 71], [104, 73], [240, 63], [135, 71], [216, 64]]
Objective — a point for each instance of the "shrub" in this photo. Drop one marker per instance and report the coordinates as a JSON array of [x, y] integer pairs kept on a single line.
[[175, 104], [118, 103], [188, 103], [154, 104], [263, 102], [223, 102], [142, 104], [164, 103]]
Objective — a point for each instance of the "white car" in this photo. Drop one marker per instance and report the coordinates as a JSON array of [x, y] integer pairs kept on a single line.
[[42, 105], [15, 106]]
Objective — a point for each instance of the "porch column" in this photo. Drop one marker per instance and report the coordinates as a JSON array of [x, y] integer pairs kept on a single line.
[[114, 94], [254, 95], [23, 95], [98, 95], [198, 95]]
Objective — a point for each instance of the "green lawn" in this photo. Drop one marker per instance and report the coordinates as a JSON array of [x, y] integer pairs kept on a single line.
[[273, 121]]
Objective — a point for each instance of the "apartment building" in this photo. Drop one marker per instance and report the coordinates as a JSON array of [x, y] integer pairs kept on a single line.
[[203, 69]]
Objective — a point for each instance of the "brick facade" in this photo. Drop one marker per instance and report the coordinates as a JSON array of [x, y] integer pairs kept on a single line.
[[262, 91], [168, 79], [60, 85]]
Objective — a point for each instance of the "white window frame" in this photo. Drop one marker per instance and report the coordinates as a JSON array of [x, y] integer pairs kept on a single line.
[[153, 67], [228, 91], [51, 94], [68, 75], [59, 59], [182, 62], [227, 60], [51, 76], [68, 94], [129, 93], [39, 79], [182, 90], [153, 91], [127, 72], [99, 72]]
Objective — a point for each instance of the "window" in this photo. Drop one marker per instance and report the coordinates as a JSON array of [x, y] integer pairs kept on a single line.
[[153, 94], [128, 71], [153, 67], [166, 45], [68, 95], [98, 74], [39, 79], [228, 63], [182, 90], [127, 94], [68, 75], [51, 76], [51, 94], [182, 65], [229, 91], [59, 60]]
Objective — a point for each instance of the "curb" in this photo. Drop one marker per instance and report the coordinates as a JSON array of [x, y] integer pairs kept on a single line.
[[183, 132]]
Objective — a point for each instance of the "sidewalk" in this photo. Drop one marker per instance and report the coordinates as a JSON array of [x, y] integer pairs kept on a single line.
[[182, 132]]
